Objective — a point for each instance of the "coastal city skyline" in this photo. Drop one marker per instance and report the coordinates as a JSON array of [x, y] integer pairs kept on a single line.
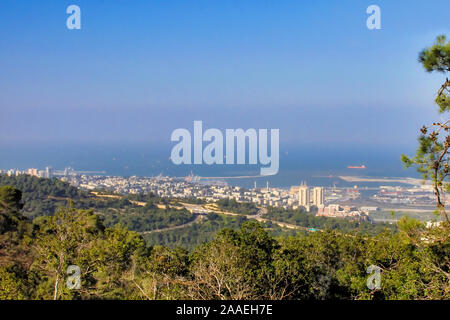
[[363, 203]]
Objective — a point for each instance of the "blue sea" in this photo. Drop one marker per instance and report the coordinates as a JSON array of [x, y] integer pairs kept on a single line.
[[314, 164]]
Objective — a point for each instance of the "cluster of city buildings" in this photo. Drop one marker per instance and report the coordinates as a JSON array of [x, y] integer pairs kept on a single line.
[[332, 210], [170, 187], [307, 197], [47, 173], [422, 195], [338, 211]]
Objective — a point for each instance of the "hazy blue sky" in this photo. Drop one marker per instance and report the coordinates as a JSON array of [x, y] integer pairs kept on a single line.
[[137, 70]]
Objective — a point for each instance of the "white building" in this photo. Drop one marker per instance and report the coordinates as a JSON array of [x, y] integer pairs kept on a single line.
[[303, 196], [318, 196]]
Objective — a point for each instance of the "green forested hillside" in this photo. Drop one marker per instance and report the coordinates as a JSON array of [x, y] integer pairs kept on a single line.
[[192, 236], [246, 263], [237, 207], [42, 196], [146, 218]]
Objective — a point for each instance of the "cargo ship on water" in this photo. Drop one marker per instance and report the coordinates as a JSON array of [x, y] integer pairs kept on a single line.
[[357, 167]]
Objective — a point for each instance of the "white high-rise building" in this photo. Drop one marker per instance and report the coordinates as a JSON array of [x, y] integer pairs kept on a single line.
[[318, 196], [49, 172], [303, 196]]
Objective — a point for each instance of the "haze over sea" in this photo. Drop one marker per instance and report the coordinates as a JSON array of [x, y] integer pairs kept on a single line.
[[340, 93], [315, 164]]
